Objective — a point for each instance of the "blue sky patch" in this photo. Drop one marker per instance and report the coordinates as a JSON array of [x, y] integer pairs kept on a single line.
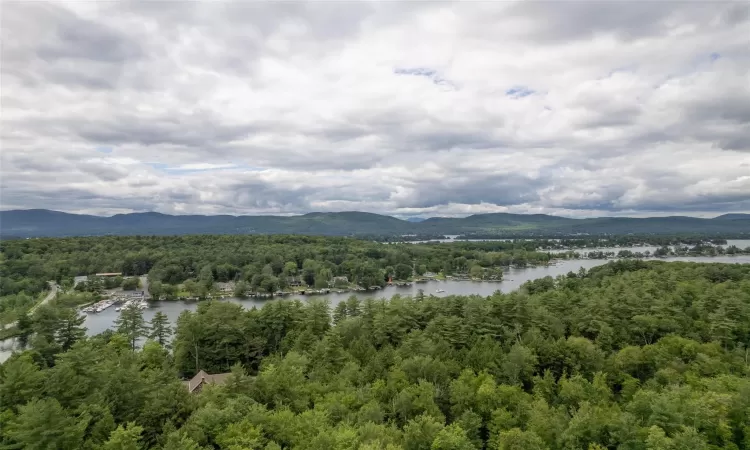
[[428, 73], [201, 167], [519, 92], [418, 71], [104, 149]]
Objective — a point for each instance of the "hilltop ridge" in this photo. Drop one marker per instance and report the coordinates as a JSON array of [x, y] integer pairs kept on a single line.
[[41, 222]]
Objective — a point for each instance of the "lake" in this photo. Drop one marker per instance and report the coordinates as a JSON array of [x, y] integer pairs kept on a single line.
[[513, 279], [581, 251], [739, 243]]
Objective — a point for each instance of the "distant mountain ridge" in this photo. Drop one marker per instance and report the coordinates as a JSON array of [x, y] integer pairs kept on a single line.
[[42, 222]]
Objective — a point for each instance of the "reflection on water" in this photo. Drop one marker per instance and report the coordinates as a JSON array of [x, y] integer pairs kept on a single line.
[[513, 279]]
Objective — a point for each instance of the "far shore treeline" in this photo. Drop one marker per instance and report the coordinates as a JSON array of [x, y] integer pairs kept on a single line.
[[192, 266], [268, 260]]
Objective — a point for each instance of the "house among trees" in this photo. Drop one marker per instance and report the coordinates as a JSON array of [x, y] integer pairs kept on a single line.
[[294, 281], [341, 280], [202, 378], [225, 287]]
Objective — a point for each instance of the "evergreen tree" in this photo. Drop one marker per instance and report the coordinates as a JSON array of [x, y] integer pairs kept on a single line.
[[43, 424], [21, 381], [206, 276], [339, 313], [25, 328], [131, 324], [69, 327], [46, 322], [160, 329], [353, 306], [125, 438]]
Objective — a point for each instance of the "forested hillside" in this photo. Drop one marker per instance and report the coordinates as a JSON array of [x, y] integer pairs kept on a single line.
[[630, 355], [36, 223]]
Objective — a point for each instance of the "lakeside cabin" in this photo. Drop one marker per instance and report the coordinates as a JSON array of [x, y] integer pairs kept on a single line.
[[225, 287], [294, 281]]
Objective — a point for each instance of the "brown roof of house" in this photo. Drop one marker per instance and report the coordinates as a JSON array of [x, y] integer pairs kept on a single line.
[[202, 377]]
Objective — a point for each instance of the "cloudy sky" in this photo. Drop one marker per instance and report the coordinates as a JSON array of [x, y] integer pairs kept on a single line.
[[404, 108]]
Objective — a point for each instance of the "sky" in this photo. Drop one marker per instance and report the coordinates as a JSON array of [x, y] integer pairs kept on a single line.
[[412, 109]]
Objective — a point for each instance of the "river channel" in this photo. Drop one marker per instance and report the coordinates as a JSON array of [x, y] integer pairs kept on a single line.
[[513, 279]]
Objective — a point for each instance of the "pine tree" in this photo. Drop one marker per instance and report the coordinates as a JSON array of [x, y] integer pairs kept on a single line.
[[131, 324], [160, 329], [353, 306], [125, 438], [43, 424], [339, 313], [69, 328], [25, 325]]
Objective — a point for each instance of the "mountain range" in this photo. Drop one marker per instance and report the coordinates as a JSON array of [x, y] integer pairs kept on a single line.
[[42, 222]]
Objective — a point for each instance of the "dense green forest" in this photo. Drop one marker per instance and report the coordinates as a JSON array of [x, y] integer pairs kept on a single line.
[[264, 262], [189, 265], [631, 355]]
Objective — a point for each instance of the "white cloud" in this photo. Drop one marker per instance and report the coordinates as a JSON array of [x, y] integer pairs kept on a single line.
[[617, 108]]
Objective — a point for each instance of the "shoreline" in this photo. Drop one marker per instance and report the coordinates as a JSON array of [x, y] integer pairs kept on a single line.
[[448, 278], [518, 278], [11, 332]]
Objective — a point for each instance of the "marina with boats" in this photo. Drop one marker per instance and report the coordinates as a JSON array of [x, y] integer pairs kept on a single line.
[[119, 301]]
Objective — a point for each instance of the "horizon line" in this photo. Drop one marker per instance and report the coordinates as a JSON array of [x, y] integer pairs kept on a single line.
[[405, 216]]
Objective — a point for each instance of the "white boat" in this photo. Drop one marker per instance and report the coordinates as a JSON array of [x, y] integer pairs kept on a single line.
[[118, 309], [439, 291]]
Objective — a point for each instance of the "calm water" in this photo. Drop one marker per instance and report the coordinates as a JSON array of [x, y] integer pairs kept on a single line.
[[581, 251], [514, 278], [6, 348], [740, 243], [453, 239]]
